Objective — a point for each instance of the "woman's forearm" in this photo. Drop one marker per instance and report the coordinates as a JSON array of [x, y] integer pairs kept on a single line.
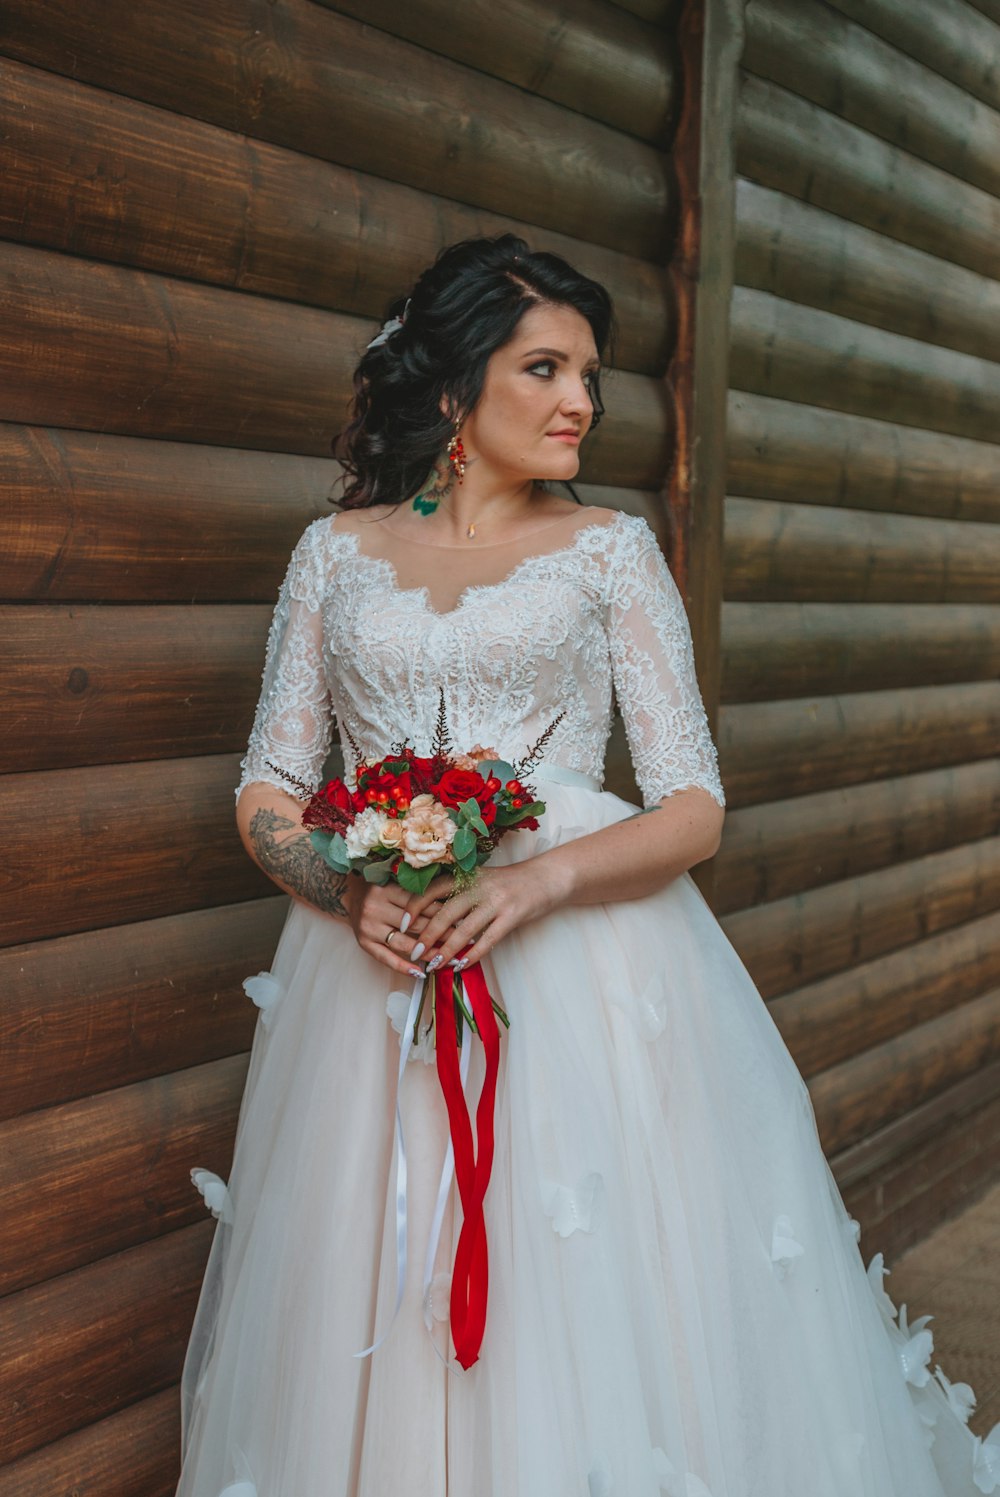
[[270, 825], [636, 856]]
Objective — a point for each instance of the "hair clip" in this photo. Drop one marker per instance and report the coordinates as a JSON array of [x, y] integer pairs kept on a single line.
[[392, 326]]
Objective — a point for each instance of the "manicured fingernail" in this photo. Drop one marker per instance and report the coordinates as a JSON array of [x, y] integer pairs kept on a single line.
[[405, 921], [417, 951], [416, 972], [435, 961]]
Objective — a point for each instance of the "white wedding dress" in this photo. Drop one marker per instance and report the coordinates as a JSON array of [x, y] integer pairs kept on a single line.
[[677, 1300]]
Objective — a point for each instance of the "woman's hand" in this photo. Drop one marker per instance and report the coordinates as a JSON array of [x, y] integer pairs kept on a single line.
[[376, 909], [500, 900]]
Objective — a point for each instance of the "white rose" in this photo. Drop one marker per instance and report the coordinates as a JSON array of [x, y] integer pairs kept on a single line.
[[365, 832]]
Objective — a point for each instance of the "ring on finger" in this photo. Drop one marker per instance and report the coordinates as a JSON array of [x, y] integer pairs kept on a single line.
[[392, 931]]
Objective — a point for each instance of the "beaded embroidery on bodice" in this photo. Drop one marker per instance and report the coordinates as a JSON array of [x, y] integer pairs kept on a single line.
[[560, 633]]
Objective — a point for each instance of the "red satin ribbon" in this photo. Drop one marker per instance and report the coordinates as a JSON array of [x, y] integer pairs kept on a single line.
[[470, 1275]]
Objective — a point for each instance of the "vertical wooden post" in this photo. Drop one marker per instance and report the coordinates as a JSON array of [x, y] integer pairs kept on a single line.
[[710, 41]]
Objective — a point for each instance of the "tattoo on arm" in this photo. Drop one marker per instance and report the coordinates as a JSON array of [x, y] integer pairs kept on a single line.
[[295, 862]]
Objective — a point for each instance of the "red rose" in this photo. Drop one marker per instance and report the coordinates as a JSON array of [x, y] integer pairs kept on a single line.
[[421, 769], [331, 807], [488, 811], [458, 785]]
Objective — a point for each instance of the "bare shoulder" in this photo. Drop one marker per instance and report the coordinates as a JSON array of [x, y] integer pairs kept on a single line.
[[357, 519]]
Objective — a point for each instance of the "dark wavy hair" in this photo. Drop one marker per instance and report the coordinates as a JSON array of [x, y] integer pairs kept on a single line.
[[461, 310]]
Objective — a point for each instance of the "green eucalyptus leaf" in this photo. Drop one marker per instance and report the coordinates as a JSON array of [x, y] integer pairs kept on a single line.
[[498, 767], [463, 842]]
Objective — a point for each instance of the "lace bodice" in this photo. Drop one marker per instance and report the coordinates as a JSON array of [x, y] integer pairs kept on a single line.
[[559, 633]]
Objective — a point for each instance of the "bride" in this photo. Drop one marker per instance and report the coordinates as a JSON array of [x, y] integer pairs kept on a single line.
[[677, 1300]]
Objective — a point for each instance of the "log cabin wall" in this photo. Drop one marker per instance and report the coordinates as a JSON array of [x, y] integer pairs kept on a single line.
[[203, 212], [859, 875]]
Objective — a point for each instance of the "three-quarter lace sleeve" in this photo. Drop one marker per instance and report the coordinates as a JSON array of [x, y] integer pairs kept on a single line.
[[293, 724], [652, 661]]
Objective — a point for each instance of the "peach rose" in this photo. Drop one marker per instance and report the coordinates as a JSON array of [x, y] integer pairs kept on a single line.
[[428, 831]]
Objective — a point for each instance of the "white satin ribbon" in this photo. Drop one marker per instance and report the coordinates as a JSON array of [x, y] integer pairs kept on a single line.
[[406, 1044]]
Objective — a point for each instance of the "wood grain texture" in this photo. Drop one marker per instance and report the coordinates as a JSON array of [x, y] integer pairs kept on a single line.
[[870, 1090], [121, 842], [107, 1008], [781, 449], [783, 349], [951, 37], [787, 143], [804, 937], [89, 685], [828, 1021], [90, 1343], [68, 1174], [89, 517], [771, 851], [791, 248], [770, 750], [315, 82], [781, 552], [773, 650], [134, 1453], [850, 70], [142, 355], [922, 1169], [586, 54], [108, 178]]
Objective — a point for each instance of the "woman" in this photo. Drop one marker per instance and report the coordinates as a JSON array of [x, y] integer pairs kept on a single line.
[[677, 1302]]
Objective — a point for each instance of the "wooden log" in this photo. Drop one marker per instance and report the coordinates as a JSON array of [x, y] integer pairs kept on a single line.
[[652, 10], [68, 1174], [772, 851], [868, 1091], [86, 685], [106, 1008], [199, 202], [122, 842], [316, 82], [807, 936], [955, 40], [803, 353], [785, 142], [843, 67], [877, 1154], [131, 1454], [831, 1020], [919, 1184], [773, 650], [806, 552], [768, 750], [792, 249], [85, 516], [92, 1342], [780, 449], [148, 356], [588, 55]]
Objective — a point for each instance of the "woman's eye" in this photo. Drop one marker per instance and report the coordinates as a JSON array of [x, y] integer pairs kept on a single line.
[[545, 364]]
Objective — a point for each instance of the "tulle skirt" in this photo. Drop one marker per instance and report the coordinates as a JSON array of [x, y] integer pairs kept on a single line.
[[677, 1300]]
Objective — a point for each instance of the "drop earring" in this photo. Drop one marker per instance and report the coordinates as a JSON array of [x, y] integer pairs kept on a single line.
[[456, 455]]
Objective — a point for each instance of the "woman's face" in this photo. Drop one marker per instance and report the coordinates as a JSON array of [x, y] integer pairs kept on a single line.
[[535, 407]]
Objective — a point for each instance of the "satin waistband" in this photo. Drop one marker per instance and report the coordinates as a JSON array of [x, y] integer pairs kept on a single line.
[[545, 770]]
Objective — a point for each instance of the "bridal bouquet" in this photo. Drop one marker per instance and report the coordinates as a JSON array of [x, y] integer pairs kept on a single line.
[[410, 818]]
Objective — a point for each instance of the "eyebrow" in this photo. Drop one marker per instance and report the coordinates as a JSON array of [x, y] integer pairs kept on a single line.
[[557, 353]]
